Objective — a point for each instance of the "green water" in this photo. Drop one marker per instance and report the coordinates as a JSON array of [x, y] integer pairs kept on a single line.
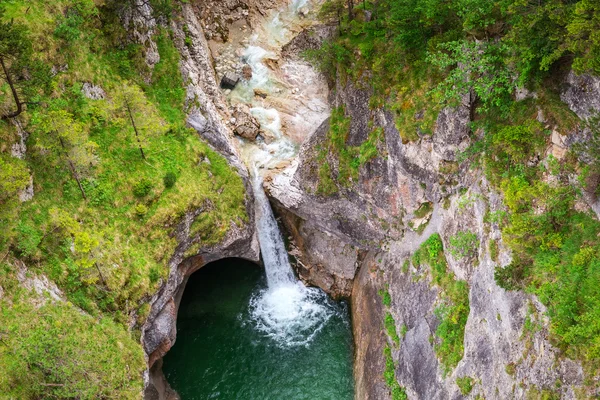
[[220, 355]]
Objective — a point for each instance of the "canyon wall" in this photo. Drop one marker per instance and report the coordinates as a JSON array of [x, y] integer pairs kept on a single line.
[[367, 232]]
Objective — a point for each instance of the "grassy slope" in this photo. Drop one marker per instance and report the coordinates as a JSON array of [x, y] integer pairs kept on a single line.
[[110, 252]]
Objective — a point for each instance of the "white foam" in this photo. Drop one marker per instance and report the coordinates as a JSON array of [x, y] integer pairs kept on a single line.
[[291, 315], [287, 311]]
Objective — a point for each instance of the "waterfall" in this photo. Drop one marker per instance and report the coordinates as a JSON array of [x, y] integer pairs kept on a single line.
[[286, 311], [275, 257]]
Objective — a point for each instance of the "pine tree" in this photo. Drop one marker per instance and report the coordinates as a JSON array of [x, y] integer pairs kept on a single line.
[[66, 139], [138, 113], [15, 53]]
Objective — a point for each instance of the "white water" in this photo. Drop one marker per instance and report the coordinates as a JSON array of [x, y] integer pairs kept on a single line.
[[287, 311]]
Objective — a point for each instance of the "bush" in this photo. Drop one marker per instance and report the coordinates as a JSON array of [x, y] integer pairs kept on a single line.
[[169, 180], [141, 210], [142, 188]]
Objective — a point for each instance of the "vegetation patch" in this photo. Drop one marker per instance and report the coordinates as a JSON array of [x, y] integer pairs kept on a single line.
[[453, 311], [465, 384], [346, 160], [390, 327], [56, 351], [397, 391], [113, 177], [464, 245]]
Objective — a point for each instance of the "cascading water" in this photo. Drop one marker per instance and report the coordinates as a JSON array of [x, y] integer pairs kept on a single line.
[[287, 311], [239, 335]]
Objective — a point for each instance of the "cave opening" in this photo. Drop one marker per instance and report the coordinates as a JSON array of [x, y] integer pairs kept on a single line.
[[221, 352]]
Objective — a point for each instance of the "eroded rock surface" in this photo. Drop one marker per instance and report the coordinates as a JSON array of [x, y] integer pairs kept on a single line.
[[375, 215]]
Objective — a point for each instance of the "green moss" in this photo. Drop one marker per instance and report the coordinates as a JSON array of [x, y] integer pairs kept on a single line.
[[511, 369], [397, 391], [385, 297], [493, 249], [424, 209], [390, 327], [465, 384]]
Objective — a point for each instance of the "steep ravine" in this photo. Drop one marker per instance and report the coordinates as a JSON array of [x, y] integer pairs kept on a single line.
[[211, 116], [357, 242]]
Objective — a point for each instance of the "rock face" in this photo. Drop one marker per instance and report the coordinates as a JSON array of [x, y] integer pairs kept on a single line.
[[582, 94], [367, 314], [374, 217], [140, 23], [218, 16]]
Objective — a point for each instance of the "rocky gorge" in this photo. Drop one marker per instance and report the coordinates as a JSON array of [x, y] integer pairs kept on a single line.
[[359, 242], [411, 231]]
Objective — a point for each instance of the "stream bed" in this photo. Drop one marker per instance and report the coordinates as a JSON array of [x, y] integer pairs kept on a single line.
[[220, 353]]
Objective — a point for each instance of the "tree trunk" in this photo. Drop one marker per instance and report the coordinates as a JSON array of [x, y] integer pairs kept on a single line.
[[72, 167], [13, 89], [350, 10], [100, 273], [137, 136]]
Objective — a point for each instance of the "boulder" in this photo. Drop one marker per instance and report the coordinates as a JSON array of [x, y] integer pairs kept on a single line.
[[229, 81], [245, 124], [247, 72]]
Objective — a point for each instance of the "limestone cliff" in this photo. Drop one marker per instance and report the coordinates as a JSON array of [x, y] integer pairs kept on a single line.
[[401, 197]]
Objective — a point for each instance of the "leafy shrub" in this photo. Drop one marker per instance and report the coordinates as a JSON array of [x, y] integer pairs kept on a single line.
[[28, 239], [142, 188], [169, 179], [141, 210]]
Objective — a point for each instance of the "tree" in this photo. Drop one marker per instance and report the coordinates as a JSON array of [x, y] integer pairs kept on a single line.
[[67, 139], [332, 11], [14, 176], [15, 52], [139, 113]]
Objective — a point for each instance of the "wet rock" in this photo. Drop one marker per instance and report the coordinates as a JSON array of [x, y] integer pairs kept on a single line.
[[247, 72], [271, 62], [303, 12], [245, 125], [261, 93], [229, 81]]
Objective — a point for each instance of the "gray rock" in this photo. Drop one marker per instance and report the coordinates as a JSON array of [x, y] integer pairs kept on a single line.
[[93, 92], [229, 81], [582, 94]]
